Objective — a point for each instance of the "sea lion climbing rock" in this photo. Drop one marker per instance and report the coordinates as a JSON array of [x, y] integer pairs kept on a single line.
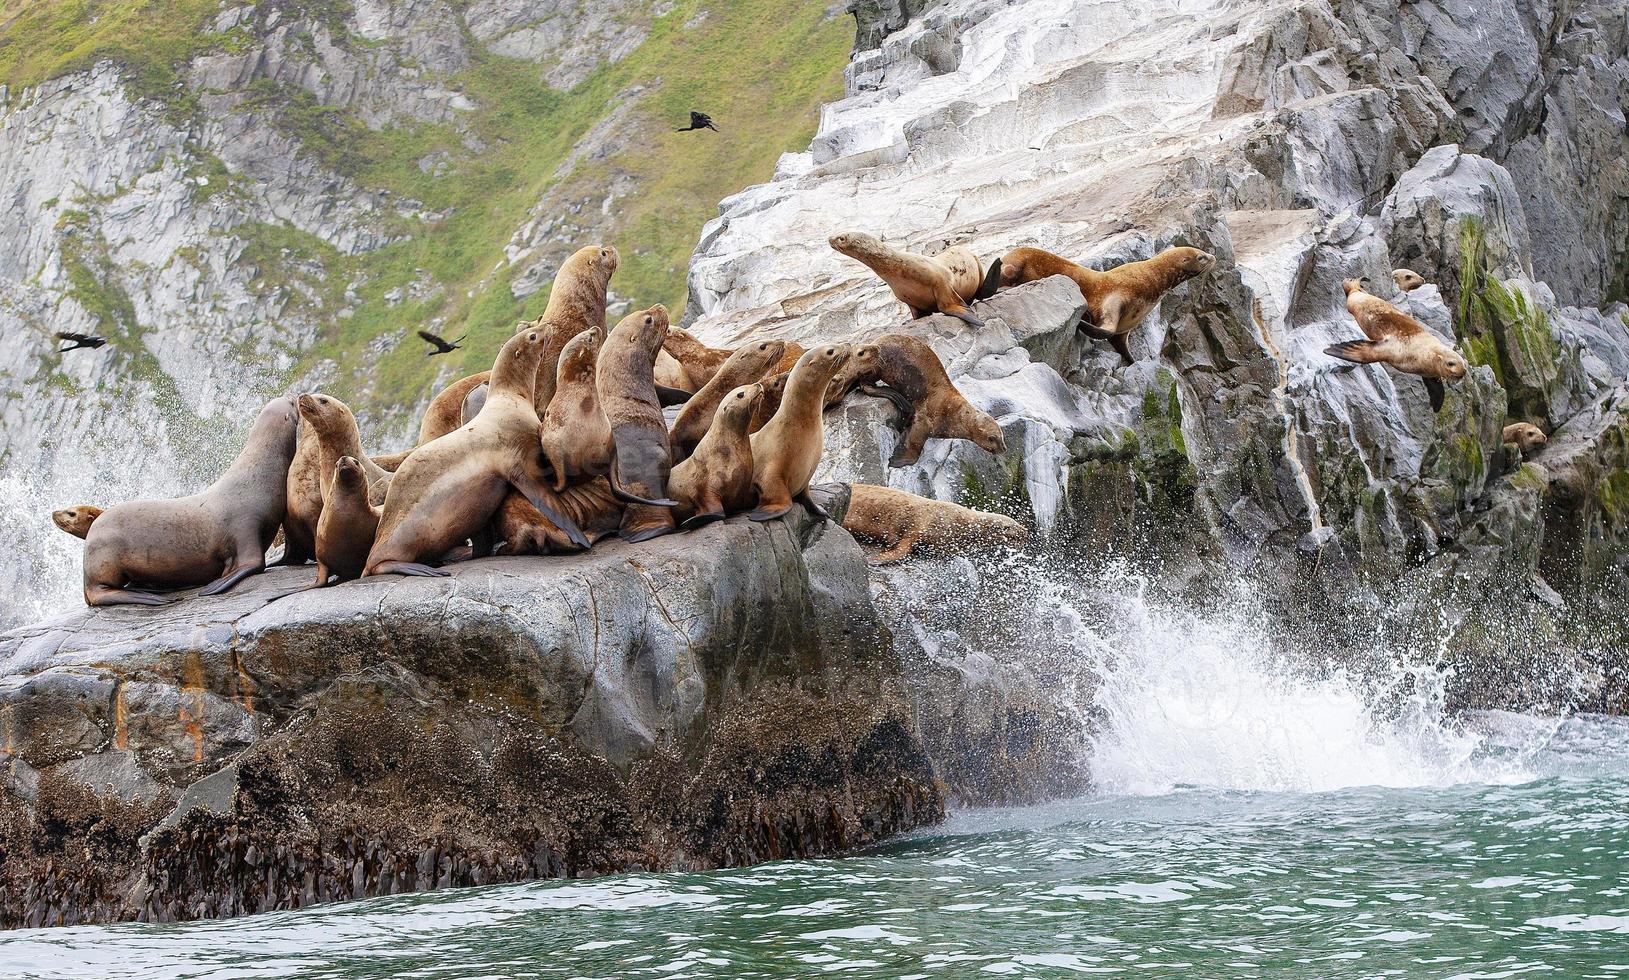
[[448, 490], [902, 522], [747, 365], [917, 384], [627, 390], [349, 523], [218, 536], [944, 283], [576, 437], [717, 479], [1397, 339], [786, 451], [1118, 300], [76, 520]]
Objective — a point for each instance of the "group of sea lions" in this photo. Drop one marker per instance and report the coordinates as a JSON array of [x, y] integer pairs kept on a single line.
[[564, 441]]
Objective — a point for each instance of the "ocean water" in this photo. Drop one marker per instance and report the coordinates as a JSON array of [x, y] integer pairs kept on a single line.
[[1254, 813]]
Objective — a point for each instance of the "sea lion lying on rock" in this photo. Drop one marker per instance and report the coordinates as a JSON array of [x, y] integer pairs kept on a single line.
[[1397, 339], [928, 284], [521, 529], [218, 536], [901, 522], [448, 490], [76, 520], [1117, 300], [1525, 436]]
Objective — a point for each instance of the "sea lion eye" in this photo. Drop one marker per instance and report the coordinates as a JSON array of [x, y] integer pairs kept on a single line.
[[649, 320]]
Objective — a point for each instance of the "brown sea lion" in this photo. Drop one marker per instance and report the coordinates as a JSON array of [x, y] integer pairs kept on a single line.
[[901, 522], [576, 437], [1397, 339], [1116, 300], [943, 283], [1526, 436], [786, 451], [747, 365], [218, 536], [576, 302], [716, 480], [76, 520], [1407, 279], [349, 522], [521, 529], [328, 431], [770, 403], [448, 490], [697, 362], [789, 358], [862, 366], [627, 392], [918, 385]]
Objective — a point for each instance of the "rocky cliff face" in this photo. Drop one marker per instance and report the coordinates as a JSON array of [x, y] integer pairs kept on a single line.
[[1483, 145], [248, 198]]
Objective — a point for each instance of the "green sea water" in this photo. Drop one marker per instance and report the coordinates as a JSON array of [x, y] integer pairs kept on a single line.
[[1522, 870]]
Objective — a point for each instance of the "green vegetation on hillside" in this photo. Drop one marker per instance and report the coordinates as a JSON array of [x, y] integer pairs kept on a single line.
[[762, 68]]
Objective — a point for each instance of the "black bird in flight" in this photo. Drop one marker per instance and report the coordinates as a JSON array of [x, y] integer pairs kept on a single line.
[[441, 346], [78, 340], [698, 120]]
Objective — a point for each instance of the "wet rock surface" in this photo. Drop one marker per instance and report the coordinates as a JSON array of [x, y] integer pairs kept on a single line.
[[709, 699]]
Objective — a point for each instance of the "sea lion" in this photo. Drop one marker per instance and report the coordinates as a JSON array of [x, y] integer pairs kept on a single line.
[[789, 358], [218, 536], [1116, 300], [943, 283], [521, 529], [770, 403], [861, 367], [576, 302], [576, 437], [76, 520], [746, 366], [328, 431], [1407, 279], [697, 362], [627, 392], [901, 522], [716, 480], [448, 489], [1526, 436], [917, 384], [1397, 339], [786, 451], [349, 522]]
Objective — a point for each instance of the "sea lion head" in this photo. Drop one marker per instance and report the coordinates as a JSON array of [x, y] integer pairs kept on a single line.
[[1525, 435], [1354, 285], [983, 431], [581, 353], [1193, 261], [324, 413], [601, 260], [739, 404], [864, 361], [1450, 364], [855, 243], [77, 520], [831, 358], [348, 472], [279, 421], [1002, 529], [1407, 279]]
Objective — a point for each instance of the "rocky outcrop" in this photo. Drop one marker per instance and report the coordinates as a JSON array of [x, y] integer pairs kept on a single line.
[[1303, 143], [710, 699]]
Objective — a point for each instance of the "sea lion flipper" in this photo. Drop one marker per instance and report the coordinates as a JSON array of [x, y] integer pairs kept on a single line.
[[910, 446], [1356, 351], [106, 595], [407, 568], [1118, 342], [893, 395], [226, 582], [813, 507], [1434, 388], [965, 315], [542, 498], [991, 283], [898, 552], [667, 397], [703, 518], [629, 497], [769, 514]]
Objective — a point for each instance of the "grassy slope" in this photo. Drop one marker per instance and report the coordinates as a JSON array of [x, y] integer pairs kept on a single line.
[[761, 67]]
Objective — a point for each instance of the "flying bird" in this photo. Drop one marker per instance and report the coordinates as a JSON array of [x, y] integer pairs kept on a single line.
[[78, 340], [698, 120], [441, 346]]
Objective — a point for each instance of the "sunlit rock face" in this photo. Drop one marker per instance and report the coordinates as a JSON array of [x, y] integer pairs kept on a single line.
[[1303, 143]]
